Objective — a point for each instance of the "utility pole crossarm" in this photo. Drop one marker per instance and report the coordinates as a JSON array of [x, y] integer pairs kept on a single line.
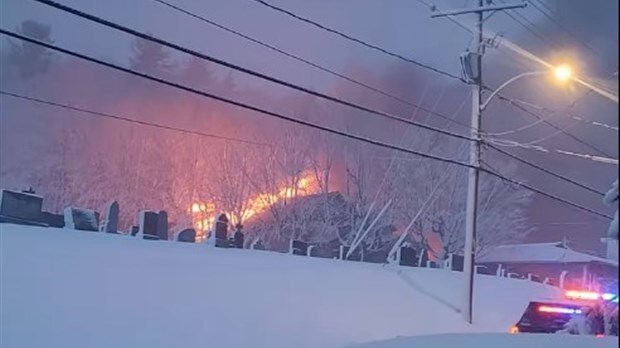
[[479, 9]]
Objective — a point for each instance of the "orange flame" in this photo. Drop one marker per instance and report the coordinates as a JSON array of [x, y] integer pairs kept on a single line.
[[203, 213]]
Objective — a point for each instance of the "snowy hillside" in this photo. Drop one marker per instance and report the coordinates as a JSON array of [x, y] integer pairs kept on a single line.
[[67, 289]]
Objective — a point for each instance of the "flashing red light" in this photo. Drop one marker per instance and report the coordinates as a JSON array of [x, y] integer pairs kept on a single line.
[[583, 295], [599, 336], [560, 310]]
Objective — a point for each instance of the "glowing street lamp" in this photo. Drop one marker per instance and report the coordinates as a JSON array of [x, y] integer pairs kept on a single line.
[[561, 73]]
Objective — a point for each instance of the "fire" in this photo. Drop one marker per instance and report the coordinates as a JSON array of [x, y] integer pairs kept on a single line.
[[203, 213]]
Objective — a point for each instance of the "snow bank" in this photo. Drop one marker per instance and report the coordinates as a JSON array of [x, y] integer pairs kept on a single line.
[[65, 288], [496, 340]]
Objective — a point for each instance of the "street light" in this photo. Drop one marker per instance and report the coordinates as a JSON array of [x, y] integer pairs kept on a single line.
[[561, 73], [471, 64]]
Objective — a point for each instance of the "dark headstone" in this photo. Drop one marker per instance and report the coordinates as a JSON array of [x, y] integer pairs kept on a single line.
[[355, 256], [81, 219], [188, 235], [408, 257], [221, 231], [238, 239], [147, 227], [133, 230], [162, 225], [110, 220], [53, 220], [457, 262], [20, 207], [298, 247], [258, 245]]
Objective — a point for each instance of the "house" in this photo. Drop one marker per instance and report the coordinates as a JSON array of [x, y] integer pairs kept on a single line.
[[553, 263]]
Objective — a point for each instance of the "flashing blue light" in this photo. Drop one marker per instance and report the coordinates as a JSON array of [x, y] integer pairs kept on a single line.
[[610, 297]]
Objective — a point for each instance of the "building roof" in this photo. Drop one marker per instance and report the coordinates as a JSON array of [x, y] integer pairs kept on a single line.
[[539, 253]]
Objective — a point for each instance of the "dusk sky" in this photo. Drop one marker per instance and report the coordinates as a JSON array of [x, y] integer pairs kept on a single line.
[[404, 27]]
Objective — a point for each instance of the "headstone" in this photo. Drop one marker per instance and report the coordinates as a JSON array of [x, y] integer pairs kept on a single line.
[[408, 257], [298, 247], [81, 219], [355, 256], [53, 220], [133, 230], [147, 226], [20, 207], [457, 263], [221, 231], [110, 219], [257, 245], [162, 225], [187, 235], [238, 237]]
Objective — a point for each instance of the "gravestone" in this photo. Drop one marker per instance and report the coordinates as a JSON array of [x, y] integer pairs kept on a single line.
[[81, 219], [257, 245], [147, 226], [162, 225], [53, 220], [221, 231], [298, 247], [355, 256], [238, 237], [457, 262], [408, 256], [133, 230], [110, 220], [20, 207], [187, 235]]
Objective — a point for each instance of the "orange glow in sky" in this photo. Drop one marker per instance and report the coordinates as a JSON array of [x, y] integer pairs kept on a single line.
[[203, 213]]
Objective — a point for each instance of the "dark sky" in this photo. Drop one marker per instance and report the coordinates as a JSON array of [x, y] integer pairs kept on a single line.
[[402, 26]]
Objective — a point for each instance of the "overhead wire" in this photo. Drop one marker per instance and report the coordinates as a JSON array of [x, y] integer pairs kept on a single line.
[[242, 105], [545, 170], [227, 64], [127, 119], [223, 99], [359, 41], [306, 61], [496, 173]]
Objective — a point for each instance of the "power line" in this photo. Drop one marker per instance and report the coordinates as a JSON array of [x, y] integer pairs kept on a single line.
[[512, 143], [127, 119], [277, 115], [545, 170], [226, 100], [242, 69], [513, 103], [307, 62], [528, 25], [541, 192], [547, 122], [359, 41], [562, 27]]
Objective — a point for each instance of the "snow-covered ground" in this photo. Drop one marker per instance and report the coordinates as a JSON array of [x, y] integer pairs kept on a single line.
[[494, 340], [64, 288]]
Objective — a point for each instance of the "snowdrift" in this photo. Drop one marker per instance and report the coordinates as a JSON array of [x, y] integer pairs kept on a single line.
[[65, 288]]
